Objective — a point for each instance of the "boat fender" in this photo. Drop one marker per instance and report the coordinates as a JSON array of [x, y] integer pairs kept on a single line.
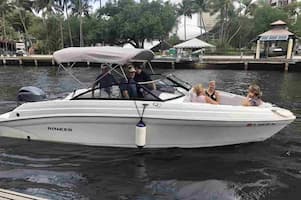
[[140, 134]]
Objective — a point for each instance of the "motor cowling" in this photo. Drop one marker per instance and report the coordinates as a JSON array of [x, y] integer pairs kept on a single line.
[[31, 94]]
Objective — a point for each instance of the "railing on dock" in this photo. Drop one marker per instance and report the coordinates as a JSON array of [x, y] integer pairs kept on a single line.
[[173, 62]]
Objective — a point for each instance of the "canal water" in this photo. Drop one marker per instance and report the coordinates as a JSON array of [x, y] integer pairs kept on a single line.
[[264, 170]]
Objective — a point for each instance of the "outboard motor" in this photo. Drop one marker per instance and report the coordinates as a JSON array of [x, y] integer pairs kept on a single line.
[[31, 94]]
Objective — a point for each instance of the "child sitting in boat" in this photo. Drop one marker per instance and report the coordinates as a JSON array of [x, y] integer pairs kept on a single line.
[[197, 95], [254, 96], [212, 93]]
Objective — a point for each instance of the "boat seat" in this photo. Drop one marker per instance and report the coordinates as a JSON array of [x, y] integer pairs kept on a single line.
[[230, 99]]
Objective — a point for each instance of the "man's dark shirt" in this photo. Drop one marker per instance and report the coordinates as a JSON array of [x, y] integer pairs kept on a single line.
[[142, 77], [106, 82], [130, 86]]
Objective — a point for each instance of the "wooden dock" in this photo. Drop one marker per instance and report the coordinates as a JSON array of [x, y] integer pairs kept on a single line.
[[10, 195], [34, 60], [206, 61]]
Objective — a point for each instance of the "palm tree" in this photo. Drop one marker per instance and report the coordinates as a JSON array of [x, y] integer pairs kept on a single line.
[[48, 8], [186, 8], [66, 7], [246, 9], [23, 6], [225, 8], [200, 7], [80, 8], [5, 8]]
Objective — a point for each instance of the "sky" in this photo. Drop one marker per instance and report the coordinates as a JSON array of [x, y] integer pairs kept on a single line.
[[103, 2]]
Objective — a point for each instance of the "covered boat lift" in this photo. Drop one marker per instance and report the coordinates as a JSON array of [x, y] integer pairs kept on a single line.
[[271, 38], [193, 46]]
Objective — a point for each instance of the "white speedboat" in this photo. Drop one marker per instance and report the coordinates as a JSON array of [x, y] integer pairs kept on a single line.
[[161, 119]]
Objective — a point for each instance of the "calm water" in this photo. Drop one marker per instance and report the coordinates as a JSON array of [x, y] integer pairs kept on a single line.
[[265, 170]]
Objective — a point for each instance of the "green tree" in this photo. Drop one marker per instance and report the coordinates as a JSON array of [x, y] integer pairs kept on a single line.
[[265, 15], [5, 8], [226, 11], [50, 9], [186, 8], [80, 8], [200, 7], [23, 7], [130, 22]]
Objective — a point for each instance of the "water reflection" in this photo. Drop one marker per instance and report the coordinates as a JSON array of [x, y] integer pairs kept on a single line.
[[206, 190]]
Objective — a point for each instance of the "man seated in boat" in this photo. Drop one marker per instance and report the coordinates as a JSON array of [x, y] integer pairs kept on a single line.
[[197, 95], [253, 97], [128, 86], [105, 81], [141, 77], [212, 93]]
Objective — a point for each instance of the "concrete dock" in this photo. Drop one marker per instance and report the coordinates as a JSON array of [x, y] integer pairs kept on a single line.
[[11, 195]]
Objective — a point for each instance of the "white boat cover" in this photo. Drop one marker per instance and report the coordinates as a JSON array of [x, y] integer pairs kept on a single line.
[[104, 54]]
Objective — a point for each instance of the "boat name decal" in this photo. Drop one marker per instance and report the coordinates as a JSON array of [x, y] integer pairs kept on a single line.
[[59, 129], [260, 124]]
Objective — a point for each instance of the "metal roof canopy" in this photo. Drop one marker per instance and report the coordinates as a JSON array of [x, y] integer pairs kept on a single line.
[[274, 38], [278, 32]]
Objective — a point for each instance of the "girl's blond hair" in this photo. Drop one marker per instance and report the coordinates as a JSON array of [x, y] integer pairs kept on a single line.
[[198, 89]]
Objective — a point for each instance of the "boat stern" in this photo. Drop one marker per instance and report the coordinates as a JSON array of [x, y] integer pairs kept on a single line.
[[8, 131]]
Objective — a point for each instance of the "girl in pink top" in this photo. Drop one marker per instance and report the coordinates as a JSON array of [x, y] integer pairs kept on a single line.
[[197, 95]]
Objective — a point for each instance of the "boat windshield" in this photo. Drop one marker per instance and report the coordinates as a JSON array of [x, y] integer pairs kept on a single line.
[[160, 88]]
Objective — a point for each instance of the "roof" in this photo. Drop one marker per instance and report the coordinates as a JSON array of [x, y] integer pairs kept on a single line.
[[275, 34], [193, 44], [146, 44], [163, 45], [278, 22], [104, 54]]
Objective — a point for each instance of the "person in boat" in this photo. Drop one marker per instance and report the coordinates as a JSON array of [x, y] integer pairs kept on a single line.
[[128, 86], [253, 97], [140, 77], [197, 95], [105, 81], [212, 93]]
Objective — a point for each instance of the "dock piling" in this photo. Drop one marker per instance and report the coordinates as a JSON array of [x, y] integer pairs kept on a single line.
[[286, 65], [36, 62], [246, 64], [172, 65]]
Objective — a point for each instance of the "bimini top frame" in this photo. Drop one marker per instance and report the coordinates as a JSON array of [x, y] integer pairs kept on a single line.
[[114, 57]]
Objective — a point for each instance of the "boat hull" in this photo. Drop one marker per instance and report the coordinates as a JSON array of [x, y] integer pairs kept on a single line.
[[168, 124], [120, 131]]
